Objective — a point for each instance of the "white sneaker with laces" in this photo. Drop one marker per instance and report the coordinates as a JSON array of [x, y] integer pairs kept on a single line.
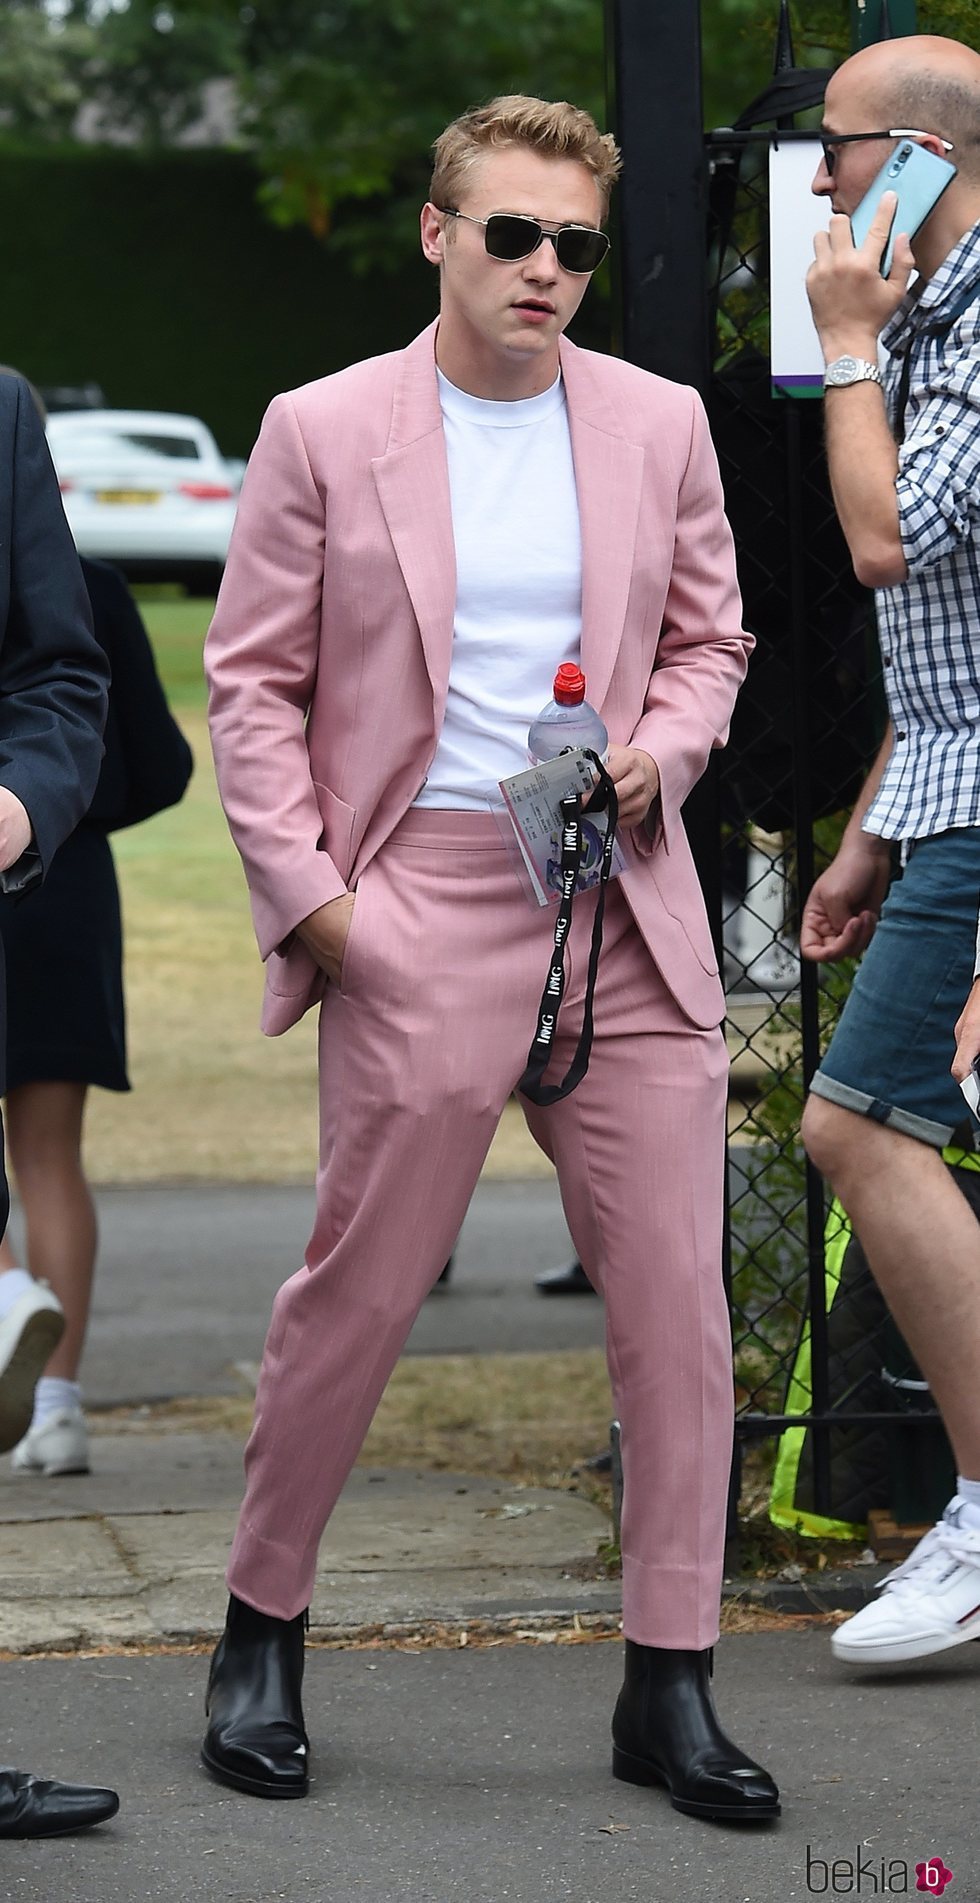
[[930, 1602], [29, 1333], [58, 1445]]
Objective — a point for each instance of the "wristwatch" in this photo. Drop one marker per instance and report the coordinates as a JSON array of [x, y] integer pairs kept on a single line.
[[846, 370]]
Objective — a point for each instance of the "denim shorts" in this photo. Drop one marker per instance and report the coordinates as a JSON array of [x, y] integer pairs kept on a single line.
[[890, 1054]]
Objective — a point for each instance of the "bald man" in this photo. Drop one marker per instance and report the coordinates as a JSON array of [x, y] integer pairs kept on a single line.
[[904, 452]]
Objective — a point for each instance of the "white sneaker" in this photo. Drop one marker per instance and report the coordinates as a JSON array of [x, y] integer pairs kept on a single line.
[[931, 1601], [58, 1445], [29, 1333]]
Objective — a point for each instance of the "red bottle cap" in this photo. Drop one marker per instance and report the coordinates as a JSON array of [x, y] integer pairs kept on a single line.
[[569, 687]]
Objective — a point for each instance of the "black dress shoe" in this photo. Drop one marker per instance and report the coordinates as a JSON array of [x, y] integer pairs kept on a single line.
[[41, 1807], [256, 1740], [666, 1731], [570, 1281]]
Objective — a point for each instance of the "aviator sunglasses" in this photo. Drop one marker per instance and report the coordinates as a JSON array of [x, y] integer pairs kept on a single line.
[[831, 140], [511, 237]]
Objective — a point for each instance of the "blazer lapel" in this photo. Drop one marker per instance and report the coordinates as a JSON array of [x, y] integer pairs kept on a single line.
[[609, 482], [412, 480]]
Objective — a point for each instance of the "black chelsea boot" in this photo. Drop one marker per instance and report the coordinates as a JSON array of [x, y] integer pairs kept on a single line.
[[256, 1740], [666, 1731]]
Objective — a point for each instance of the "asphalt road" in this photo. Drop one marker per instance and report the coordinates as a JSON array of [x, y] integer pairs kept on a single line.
[[187, 1276], [483, 1777]]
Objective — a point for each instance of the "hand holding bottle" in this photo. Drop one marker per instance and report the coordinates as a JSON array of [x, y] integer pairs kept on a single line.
[[637, 781], [569, 721]]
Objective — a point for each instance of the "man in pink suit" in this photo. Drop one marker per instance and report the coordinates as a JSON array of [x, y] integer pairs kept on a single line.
[[422, 539]]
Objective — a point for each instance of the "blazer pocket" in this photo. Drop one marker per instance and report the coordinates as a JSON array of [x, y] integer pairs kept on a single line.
[[680, 895], [338, 828]]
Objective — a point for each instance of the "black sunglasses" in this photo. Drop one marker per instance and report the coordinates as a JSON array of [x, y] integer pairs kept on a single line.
[[831, 140], [510, 237]]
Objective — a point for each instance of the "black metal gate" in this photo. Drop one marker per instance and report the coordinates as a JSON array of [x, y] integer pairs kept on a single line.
[[805, 731], [769, 814]]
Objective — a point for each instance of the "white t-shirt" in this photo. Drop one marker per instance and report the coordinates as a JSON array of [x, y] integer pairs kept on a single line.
[[518, 585]]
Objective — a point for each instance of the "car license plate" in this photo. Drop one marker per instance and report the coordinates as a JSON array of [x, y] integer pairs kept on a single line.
[[127, 495]]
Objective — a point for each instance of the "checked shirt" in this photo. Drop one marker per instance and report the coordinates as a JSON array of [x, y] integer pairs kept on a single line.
[[929, 625]]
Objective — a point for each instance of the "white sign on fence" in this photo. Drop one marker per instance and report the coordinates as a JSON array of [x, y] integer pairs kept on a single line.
[[794, 217]]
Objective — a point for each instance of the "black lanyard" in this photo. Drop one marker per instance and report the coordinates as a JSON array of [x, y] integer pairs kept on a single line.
[[531, 1084]]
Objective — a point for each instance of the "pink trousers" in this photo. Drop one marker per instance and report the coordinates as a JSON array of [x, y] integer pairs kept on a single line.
[[420, 1049]]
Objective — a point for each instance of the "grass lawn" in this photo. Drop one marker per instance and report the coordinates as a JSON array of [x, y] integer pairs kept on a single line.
[[530, 1417], [177, 628], [212, 1098]]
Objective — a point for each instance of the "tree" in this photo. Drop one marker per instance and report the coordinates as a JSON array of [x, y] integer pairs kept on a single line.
[[42, 67], [339, 100], [154, 60]]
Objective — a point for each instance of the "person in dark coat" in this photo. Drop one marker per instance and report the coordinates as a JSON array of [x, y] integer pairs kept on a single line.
[[53, 689], [65, 1012]]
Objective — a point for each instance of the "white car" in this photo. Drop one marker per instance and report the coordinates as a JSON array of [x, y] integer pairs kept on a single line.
[[147, 490]]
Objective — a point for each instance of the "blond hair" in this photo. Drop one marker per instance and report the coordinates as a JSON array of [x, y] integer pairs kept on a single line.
[[554, 128]]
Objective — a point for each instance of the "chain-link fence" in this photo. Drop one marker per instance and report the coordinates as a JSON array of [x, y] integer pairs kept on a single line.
[[810, 1331], [808, 1341]]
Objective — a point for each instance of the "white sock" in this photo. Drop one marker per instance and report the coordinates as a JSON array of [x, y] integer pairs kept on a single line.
[[53, 1395], [969, 1492], [13, 1284]]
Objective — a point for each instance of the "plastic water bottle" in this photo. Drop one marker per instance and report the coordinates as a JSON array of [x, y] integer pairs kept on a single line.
[[567, 721]]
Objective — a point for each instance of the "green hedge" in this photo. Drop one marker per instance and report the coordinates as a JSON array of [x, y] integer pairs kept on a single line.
[[161, 279]]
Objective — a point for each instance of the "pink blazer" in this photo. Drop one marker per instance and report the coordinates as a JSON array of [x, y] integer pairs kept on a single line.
[[328, 656]]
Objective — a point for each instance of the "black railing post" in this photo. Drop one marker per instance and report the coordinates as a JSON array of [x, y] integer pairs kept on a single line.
[[654, 59], [784, 59], [654, 78], [809, 973], [655, 109], [803, 827]]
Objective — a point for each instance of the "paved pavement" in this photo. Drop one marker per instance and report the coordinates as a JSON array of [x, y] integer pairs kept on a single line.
[[459, 1774], [135, 1551]]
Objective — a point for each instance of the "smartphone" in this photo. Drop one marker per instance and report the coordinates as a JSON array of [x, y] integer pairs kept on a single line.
[[920, 179], [971, 1087]]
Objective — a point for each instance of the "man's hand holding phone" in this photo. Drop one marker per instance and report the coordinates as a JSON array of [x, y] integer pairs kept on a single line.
[[850, 300]]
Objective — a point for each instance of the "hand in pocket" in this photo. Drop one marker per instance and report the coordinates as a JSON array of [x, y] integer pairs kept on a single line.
[[324, 933]]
